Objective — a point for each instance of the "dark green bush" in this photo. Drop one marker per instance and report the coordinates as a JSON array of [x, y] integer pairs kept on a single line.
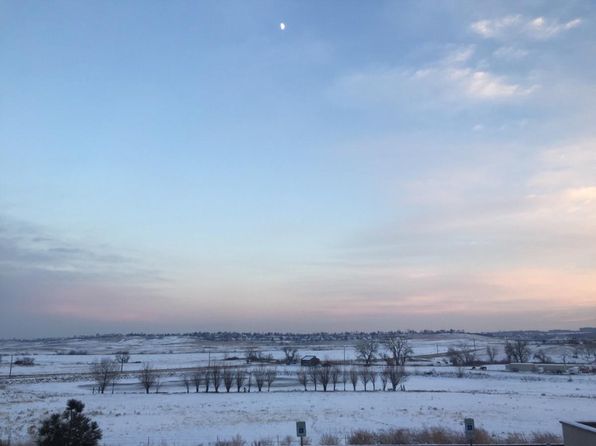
[[70, 428]]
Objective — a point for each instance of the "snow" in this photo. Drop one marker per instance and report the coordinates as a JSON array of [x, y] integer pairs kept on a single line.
[[500, 401]]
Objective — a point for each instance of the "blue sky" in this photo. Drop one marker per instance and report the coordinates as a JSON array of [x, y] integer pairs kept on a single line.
[[191, 166]]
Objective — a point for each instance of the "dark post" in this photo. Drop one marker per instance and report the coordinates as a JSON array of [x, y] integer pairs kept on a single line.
[[343, 370], [469, 429]]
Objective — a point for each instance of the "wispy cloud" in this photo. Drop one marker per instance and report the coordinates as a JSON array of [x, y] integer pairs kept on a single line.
[[47, 282], [514, 26], [25, 246], [455, 78], [510, 53], [475, 84], [495, 27], [457, 73]]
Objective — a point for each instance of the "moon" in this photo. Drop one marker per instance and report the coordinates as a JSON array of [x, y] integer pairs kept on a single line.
[[282, 26]]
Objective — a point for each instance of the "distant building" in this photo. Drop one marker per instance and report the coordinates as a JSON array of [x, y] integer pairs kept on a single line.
[[310, 360]]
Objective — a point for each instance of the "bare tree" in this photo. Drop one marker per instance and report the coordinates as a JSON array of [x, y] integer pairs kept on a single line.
[[313, 374], [587, 351], [508, 348], [373, 373], [364, 376], [399, 347], [104, 372], [517, 351], [335, 376], [228, 378], [366, 350], [122, 358], [240, 377], [270, 377], [147, 377], [206, 373], [456, 356], [384, 379], [395, 375], [325, 376], [491, 352], [249, 381], [259, 374], [186, 380], [469, 355], [196, 378], [216, 376], [303, 378], [354, 377], [542, 357], [291, 354]]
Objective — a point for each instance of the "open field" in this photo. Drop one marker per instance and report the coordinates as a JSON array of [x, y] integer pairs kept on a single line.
[[434, 395]]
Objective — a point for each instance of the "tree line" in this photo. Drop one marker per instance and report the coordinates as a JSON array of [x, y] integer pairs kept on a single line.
[[329, 376], [106, 372], [215, 378]]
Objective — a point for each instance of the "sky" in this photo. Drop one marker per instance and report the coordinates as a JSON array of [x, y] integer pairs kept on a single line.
[[188, 166]]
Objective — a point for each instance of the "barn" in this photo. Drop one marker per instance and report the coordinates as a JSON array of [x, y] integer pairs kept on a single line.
[[310, 361]]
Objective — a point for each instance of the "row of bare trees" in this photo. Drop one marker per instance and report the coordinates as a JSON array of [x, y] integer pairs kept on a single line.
[[331, 376], [106, 372], [241, 379]]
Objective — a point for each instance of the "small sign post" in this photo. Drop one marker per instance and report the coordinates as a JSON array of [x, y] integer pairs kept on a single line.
[[301, 431], [469, 429]]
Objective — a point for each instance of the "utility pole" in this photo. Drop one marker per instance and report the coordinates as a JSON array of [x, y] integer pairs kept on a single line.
[[10, 369], [343, 378]]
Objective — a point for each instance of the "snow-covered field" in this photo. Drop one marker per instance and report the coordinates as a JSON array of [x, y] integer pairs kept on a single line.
[[500, 401]]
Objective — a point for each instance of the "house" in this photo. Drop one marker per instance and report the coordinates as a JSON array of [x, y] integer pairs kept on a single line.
[[309, 361]]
